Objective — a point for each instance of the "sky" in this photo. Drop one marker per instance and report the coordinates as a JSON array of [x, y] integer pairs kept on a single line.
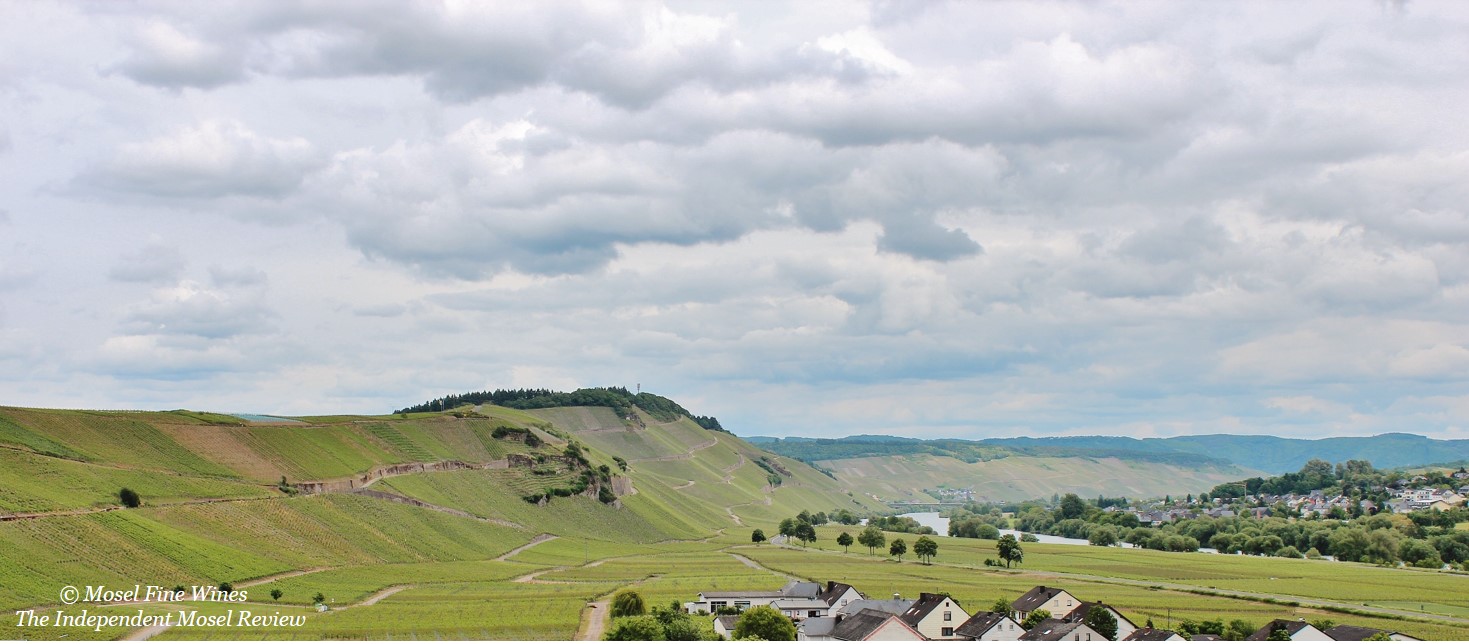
[[816, 218]]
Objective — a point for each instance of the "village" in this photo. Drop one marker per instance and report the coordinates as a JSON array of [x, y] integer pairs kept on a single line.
[[836, 611]]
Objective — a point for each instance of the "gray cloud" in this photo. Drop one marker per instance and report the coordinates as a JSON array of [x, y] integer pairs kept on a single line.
[[153, 263]]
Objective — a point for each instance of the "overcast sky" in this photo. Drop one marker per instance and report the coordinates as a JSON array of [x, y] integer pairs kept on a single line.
[[819, 218]]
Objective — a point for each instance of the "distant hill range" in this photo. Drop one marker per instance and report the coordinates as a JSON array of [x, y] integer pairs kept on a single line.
[[1265, 453]]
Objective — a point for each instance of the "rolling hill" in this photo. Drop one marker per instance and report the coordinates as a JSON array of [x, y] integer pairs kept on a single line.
[[229, 500]]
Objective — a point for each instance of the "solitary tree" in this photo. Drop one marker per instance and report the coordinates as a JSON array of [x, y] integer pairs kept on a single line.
[[1010, 550], [844, 540], [1102, 621], [627, 603], [1035, 617], [129, 498], [898, 549], [925, 548], [275, 593], [318, 598], [872, 538], [764, 623], [758, 536]]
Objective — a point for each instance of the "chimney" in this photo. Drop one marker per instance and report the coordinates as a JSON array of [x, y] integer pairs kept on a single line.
[[897, 597]]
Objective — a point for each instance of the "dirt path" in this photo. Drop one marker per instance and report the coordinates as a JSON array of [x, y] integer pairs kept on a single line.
[[593, 621], [279, 576], [381, 595], [679, 457], [751, 563], [539, 539], [680, 487], [145, 633]]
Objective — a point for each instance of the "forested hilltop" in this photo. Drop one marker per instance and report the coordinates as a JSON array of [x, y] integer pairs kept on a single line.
[[619, 399]]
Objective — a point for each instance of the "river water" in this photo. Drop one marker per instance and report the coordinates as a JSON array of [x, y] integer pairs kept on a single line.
[[941, 526]]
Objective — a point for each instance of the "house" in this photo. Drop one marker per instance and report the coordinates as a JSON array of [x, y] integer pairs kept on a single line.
[[989, 627], [724, 625], [1125, 626], [1058, 602], [838, 595], [1297, 630], [1055, 630], [1345, 633], [1152, 635], [815, 629], [712, 601], [1461, 474], [870, 625], [935, 616], [799, 609]]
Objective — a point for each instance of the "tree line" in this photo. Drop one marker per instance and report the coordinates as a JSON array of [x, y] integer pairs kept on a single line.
[[619, 399]]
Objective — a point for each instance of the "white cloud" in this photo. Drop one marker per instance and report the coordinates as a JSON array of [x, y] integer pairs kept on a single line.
[[215, 158]]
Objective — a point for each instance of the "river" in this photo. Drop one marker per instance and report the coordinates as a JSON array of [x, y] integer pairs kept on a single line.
[[941, 526]]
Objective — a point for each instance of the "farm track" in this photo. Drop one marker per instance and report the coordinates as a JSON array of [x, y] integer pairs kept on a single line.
[[79, 512], [277, 577], [678, 457], [751, 563], [537, 540], [594, 622], [408, 500]]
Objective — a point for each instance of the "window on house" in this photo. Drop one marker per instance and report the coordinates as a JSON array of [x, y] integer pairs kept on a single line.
[[948, 616], [948, 632], [813, 613]]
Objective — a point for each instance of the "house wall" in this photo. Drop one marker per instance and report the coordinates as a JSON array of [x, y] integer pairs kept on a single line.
[[892, 630], [1059, 606], [932, 626], [850, 596], [1310, 634], [1005, 631]]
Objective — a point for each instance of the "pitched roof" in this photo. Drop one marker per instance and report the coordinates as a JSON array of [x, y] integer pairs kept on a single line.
[[739, 594], [1082, 608], [833, 591], [727, 621], [798, 603], [1149, 635], [1206, 637], [806, 589], [889, 606], [1035, 598], [1290, 626], [926, 603], [1345, 633], [979, 624], [1051, 630], [817, 626], [860, 626]]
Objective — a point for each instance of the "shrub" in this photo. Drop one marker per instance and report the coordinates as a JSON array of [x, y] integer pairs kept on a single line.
[[129, 498], [766, 623], [226, 587], [318, 598], [628, 603], [605, 495], [276, 593], [638, 628]]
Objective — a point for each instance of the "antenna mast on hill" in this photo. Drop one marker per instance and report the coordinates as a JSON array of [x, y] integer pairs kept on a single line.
[[640, 387]]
